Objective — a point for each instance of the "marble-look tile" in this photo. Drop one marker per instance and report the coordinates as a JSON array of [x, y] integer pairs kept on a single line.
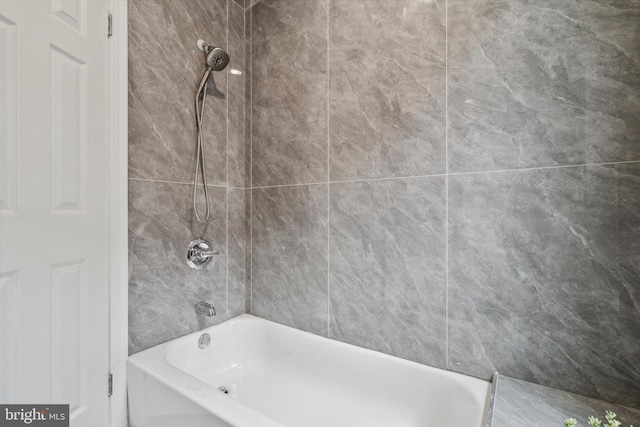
[[247, 97], [523, 404], [387, 250], [240, 3], [544, 278], [289, 255], [237, 248], [248, 161], [542, 83], [387, 88], [236, 96], [165, 67], [162, 288], [248, 253], [289, 92]]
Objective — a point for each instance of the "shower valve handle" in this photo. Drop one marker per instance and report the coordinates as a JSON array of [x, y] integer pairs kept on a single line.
[[199, 254]]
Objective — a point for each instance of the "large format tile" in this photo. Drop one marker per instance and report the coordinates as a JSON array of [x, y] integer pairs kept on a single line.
[[289, 84], [523, 404], [542, 83], [165, 68], [237, 251], [162, 288], [387, 285], [289, 255], [544, 270], [387, 88], [248, 206], [237, 143], [247, 97]]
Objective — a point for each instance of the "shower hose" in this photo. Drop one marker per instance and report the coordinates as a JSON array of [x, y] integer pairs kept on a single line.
[[200, 164]]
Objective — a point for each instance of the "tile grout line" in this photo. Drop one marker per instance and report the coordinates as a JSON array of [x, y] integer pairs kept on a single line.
[[579, 165], [172, 182], [183, 183], [328, 178], [228, 252], [347, 181], [446, 186], [447, 174], [250, 183], [229, 5], [289, 185]]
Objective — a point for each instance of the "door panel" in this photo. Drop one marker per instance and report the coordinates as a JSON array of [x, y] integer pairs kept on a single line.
[[68, 132], [8, 118], [54, 205], [8, 345]]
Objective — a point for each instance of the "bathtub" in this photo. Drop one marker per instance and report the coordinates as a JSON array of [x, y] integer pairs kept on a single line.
[[256, 373]]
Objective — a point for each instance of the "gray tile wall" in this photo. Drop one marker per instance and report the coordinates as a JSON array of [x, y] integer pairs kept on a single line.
[[454, 182], [542, 84], [165, 67], [387, 88], [289, 105], [387, 272], [289, 269], [544, 276]]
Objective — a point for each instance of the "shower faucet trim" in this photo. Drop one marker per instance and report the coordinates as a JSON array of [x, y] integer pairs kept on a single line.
[[199, 254]]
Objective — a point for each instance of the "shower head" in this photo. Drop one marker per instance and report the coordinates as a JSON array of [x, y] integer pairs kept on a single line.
[[215, 57]]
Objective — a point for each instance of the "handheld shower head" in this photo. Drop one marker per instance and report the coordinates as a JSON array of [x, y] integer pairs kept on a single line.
[[215, 57], [217, 60]]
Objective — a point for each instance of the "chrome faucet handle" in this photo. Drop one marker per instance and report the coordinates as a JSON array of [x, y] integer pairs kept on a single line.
[[207, 254], [205, 308], [199, 254]]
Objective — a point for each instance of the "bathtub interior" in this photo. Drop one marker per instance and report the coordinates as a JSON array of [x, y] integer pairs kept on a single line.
[[299, 379], [154, 402]]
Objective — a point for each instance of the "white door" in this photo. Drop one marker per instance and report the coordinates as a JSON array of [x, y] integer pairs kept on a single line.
[[54, 336]]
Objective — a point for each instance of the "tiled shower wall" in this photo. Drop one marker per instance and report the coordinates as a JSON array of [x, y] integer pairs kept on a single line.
[[453, 182], [165, 68]]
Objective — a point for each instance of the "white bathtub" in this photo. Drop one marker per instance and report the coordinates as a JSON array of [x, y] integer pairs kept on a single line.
[[280, 376]]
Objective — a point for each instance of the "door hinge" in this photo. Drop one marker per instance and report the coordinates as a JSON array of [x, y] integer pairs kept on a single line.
[[109, 25], [110, 385]]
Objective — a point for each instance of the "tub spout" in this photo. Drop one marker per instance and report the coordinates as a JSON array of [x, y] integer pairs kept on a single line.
[[205, 308]]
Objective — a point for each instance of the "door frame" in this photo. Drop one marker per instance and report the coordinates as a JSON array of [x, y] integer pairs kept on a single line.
[[118, 212]]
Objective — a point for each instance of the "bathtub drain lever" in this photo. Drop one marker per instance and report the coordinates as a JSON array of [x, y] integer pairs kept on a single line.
[[204, 341]]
